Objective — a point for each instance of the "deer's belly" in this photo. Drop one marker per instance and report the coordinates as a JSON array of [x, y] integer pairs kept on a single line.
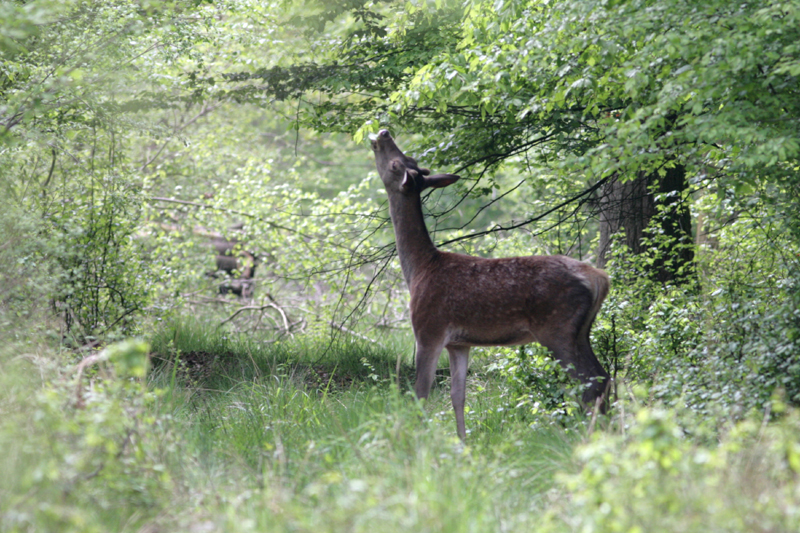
[[490, 337]]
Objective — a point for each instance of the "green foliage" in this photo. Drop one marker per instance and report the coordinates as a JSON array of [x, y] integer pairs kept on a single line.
[[614, 78], [537, 385], [104, 274], [105, 452], [726, 343], [621, 86], [23, 274], [72, 76], [654, 478]]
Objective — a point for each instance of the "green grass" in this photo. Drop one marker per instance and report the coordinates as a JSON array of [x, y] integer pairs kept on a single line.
[[232, 434], [363, 459], [220, 359]]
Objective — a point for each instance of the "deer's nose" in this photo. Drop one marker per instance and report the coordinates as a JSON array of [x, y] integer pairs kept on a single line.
[[384, 134]]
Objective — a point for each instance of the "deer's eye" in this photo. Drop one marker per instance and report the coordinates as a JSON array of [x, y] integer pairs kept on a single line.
[[395, 165], [374, 145]]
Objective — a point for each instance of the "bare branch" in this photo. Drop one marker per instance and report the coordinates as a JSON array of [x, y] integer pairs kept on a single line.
[[203, 112], [286, 325], [582, 197]]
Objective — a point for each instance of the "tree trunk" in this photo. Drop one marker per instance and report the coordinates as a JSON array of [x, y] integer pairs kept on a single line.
[[624, 206], [632, 206]]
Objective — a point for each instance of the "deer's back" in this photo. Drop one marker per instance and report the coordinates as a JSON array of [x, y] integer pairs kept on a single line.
[[500, 301]]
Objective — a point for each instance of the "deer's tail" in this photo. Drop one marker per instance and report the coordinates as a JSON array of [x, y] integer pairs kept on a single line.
[[598, 283]]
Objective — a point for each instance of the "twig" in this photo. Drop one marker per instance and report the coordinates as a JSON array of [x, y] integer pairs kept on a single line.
[[597, 403], [528, 221], [52, 168], [203, 112], [397, 368], [354, 333], [226, 210], [286, 325]]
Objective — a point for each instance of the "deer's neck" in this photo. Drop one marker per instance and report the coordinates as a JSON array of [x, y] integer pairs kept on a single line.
[[414, 245]]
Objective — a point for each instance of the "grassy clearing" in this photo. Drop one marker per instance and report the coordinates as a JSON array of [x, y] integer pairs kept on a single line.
[[219, 360], [234, 435], [246, 436], [341, 447], [361, 459]]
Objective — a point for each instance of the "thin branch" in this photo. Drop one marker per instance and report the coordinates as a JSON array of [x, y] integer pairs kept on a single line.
[[259, 308], [498, 228], [481, 209], [514, 150], [203, 112], [226, 210], [354, 333]]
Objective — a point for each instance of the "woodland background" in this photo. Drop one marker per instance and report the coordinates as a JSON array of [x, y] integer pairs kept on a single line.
[[203, 325]]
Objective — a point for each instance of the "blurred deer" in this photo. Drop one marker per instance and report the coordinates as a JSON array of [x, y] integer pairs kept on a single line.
[[238, 264]]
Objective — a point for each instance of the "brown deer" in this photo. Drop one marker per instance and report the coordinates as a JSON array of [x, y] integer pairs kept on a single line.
[[459, 301], [237, 264]]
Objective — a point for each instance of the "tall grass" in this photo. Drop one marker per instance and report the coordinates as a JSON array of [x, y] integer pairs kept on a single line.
[[363, 457], [231, 434], [224, 359]]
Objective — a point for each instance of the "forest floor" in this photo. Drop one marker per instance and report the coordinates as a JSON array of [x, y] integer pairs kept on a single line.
[[236, 435]]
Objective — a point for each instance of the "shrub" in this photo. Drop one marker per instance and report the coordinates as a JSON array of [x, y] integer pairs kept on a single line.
[[537, 385], [103, 276], [726, 340], [654, 478]]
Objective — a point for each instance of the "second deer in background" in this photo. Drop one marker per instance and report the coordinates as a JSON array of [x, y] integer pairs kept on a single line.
[[237, 264]]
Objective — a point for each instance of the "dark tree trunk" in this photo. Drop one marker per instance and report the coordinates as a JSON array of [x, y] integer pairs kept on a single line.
[[624, 206], [631, 206], [675, 225]]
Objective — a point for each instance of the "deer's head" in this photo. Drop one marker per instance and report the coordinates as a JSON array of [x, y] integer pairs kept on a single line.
[[401, 173]]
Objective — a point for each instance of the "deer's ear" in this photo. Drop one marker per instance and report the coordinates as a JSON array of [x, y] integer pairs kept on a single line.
[[409, 180], [440, 180], [425, 171]]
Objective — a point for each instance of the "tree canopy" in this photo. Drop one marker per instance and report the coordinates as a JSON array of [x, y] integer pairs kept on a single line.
[[618, 85]]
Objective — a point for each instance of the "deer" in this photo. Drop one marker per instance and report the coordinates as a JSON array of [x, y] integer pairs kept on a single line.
[[236, 263], [459, 301]]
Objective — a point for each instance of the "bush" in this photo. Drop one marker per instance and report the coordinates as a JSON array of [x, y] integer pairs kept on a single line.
[[89, 447], [103, 276], [724, 342], [537, 385], [654, 478]]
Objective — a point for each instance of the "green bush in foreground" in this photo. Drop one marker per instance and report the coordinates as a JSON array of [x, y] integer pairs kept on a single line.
[[86, 449], [656, 478]]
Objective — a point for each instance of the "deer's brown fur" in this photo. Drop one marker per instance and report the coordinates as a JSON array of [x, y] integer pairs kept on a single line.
[[459, 301]]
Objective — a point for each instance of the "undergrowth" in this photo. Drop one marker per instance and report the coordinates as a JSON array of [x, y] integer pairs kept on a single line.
[[260, 445]]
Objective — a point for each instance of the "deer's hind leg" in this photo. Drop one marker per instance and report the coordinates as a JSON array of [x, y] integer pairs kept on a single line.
[[598, 377], [459, 361], [425, 362], [571, 348]]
